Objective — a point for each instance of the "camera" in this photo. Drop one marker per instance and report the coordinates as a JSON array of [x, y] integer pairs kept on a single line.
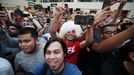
[[84, 19]]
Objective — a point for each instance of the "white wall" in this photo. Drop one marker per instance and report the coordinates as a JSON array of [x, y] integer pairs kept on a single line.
[[75, 4], [20, 3], [94, 5]]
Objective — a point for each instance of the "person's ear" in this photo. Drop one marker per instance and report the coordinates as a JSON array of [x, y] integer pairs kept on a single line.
[[131, 55]]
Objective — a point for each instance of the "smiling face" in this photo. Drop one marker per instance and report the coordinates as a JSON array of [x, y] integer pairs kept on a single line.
[[70, 35], [27, 43], [54, 56], [109, 32]]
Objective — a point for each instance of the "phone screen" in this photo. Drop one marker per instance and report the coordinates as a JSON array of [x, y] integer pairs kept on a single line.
[[84, 19]]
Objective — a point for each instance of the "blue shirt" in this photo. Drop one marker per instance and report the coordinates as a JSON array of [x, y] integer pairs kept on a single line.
[[69, 69]]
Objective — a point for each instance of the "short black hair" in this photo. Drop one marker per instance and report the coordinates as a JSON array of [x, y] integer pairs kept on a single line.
[[126, 49], [15, 25], [28, 30], [107, 25], [56, 39], [124, 26], [66, 5]]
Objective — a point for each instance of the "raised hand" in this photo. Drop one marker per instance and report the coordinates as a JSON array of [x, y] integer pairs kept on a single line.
[[58, 10], [101, 15]]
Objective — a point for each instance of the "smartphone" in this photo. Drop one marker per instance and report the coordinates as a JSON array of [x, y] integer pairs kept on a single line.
[[84, 19]]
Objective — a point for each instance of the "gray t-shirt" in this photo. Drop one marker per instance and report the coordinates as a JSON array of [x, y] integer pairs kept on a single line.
[[25, 62], [5, 67]]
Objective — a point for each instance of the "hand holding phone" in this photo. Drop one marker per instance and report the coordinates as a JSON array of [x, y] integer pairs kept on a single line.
[[84, 19]]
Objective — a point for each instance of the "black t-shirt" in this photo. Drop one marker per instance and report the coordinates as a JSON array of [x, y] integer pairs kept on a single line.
[[113, 67], [90, 62]]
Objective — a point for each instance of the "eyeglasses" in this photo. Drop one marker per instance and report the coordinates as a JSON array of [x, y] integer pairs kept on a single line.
[[109, 32]]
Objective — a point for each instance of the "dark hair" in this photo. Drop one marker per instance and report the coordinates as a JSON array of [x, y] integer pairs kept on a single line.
[[48, 20], [28, 30], [66, 5], [108, 25], [15, 25], [124, 26], [125, 49], [55, 39], [63, 45]]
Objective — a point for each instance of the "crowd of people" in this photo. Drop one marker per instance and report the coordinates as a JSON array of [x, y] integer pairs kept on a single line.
[[51, 43]]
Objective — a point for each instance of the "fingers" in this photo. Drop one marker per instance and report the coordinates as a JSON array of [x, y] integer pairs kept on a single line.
[[106, 8], [107, 13], [59, 9]]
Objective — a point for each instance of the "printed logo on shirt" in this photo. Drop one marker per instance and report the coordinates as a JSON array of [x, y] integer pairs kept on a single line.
[[71, 50]]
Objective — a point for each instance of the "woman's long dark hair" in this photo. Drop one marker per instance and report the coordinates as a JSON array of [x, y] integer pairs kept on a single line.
[[64, 48]]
